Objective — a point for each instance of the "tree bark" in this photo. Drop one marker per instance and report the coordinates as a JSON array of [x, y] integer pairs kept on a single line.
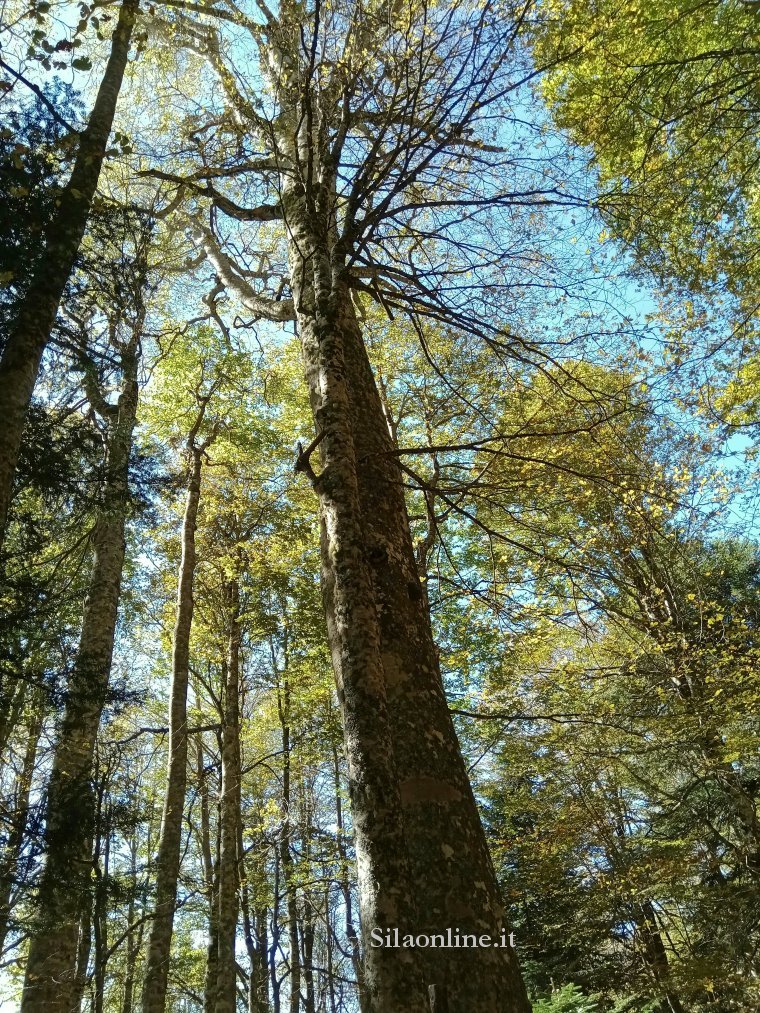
[[14, 844], [286, 856], [455, 883], [21, 358], [70, 812], [393, 978], [168, 859], [344, 882], [226, 991], [210, 877], [437, 846]]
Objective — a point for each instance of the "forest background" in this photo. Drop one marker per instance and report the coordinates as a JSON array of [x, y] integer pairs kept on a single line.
[[540, 221]]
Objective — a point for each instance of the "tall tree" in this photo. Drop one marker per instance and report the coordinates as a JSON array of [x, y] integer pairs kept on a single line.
[[35, 316], [345, 161], [70, 810], [170, 844]]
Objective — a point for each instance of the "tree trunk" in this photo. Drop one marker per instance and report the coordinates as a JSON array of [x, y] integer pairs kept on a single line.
[[655, 955], [134, 936], [393, 978], [100, 920], [454, 879], [210, 877], [274, 981], [168, 859], [255, 934], [14, 844], [69, 826], [286, 856], [11, 706], [377, 617], [31, 332], [344, 882], [226, 993], [84, 946]]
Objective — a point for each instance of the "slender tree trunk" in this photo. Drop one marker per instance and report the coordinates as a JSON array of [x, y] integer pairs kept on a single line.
[[286, 856], [84, 947], [168, 859], [31, 332], [65, 885], [255, 934], [344, 881], [100, 921], [437, 848], [394, 978], [132, 944], [210, 876], [226, 993], [307, 954], [11, 706], [274, 981], [656, 956], [11, 858]]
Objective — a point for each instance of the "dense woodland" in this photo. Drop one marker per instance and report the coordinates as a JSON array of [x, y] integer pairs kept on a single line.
[[379, 396]]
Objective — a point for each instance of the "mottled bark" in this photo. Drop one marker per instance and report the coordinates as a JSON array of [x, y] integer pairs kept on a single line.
[[455, 883], [226, 991], [393, 978], [64, 890], [437, 848], [21, 357], [168, 859], [10, 862]]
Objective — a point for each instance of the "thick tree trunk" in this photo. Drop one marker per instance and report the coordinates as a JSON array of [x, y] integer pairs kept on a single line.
[[168, 859], [226, 992], [454, 879], [393, 978], [440, 835], [69, 825], [20, 362], [10, 862]]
